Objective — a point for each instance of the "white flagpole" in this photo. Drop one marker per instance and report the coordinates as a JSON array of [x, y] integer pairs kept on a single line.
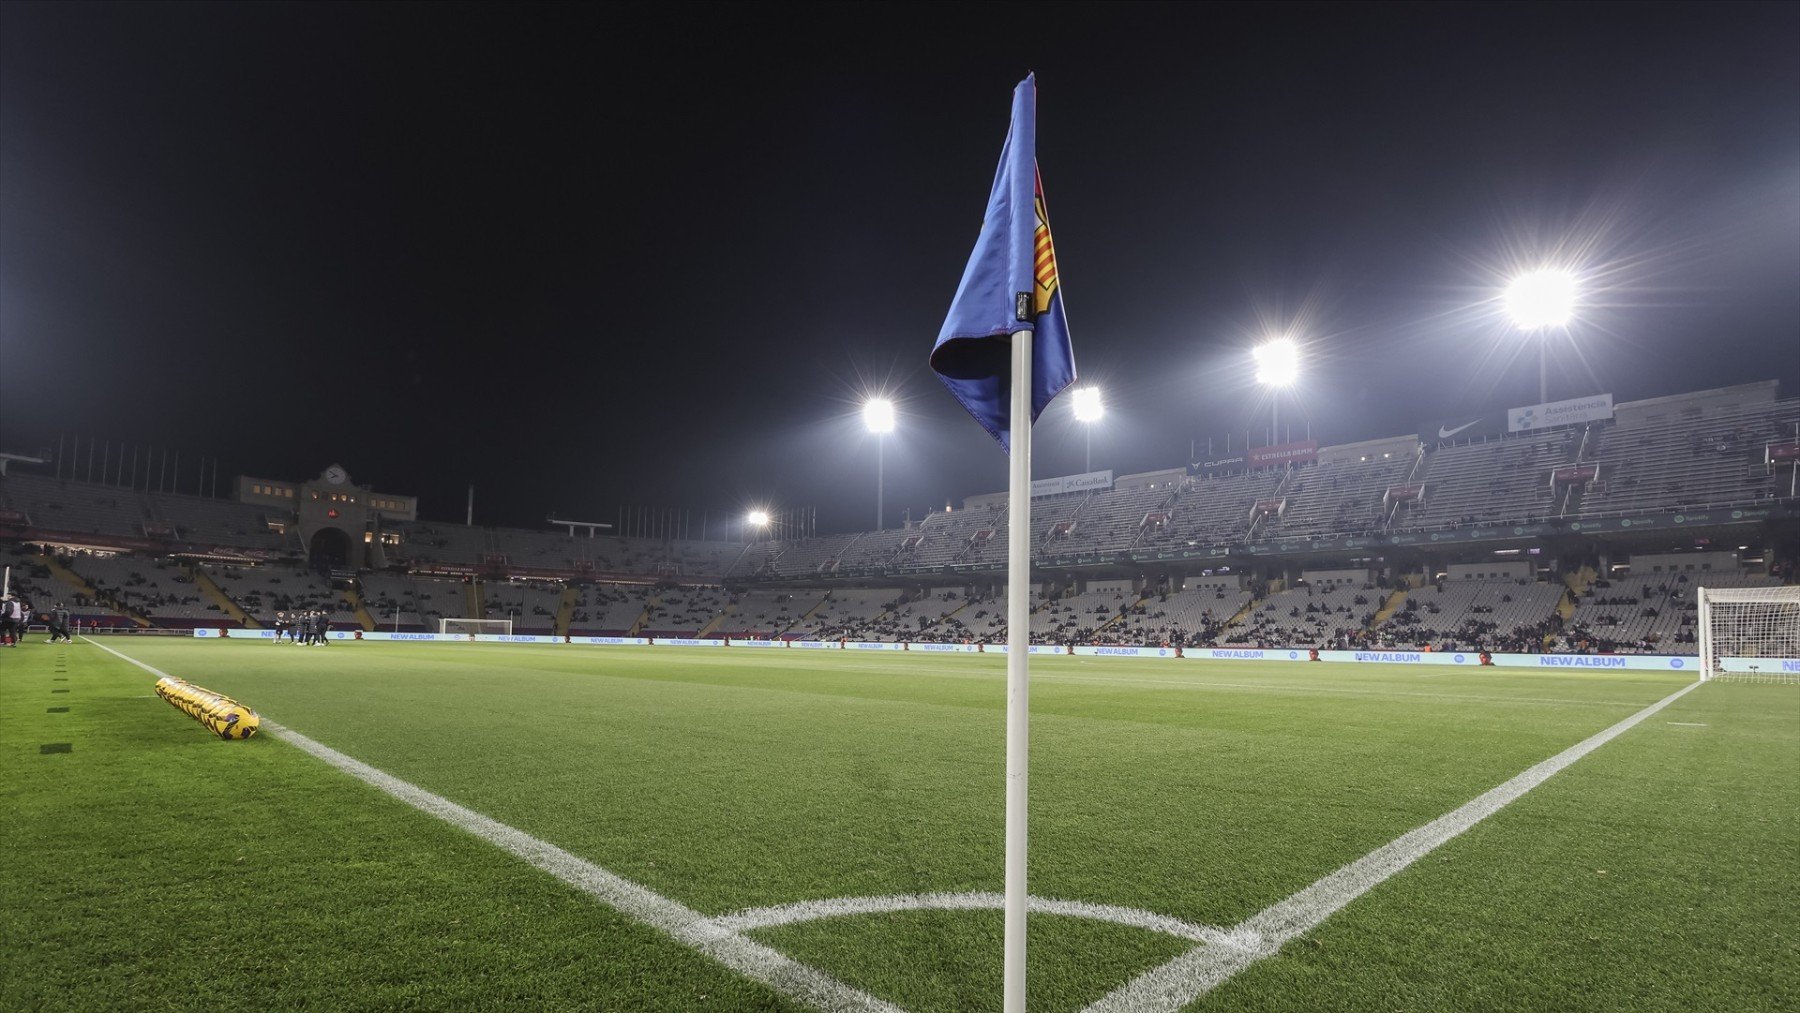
[[1018, 660]]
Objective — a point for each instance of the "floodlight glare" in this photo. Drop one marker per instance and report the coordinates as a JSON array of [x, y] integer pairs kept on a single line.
[[1087, 404], [758, 518], [1542, 298], [878, 415], [1277, 362]]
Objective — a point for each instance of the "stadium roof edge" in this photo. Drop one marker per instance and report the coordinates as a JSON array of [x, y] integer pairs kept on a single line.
[[1757, 391]]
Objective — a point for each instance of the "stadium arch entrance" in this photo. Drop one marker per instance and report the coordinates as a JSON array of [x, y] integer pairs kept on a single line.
[[329, 545]]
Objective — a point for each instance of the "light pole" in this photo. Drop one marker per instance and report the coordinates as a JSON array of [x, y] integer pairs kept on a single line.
[[1089, 409], [1537, 301], [878, 416], [1277, 366]]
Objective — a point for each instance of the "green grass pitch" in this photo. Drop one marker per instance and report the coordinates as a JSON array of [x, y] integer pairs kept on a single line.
[[152, 866]]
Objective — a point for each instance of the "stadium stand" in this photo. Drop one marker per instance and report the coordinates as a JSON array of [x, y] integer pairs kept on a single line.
[[1494, 615], [874, 553], [1693, 450], [1075, 618], [1327, 615], [79, 507], [1106, 521], [609, 610], [766, 614], [221, 522], [1645, 612], [1678, 454], [940, 616], [262, 591], [1500, 480], [848, 613], [1217, 511], [805, 558], [682, 610], [532, 605], [1342, 496], [1179, 619], [955, 536], [158, 589], [421, 601], [71, 507]]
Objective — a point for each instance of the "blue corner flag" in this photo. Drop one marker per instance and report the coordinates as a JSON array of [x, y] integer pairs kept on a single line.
[[1010, 285]]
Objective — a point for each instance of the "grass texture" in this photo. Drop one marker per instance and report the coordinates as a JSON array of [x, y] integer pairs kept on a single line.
[[153, 866]]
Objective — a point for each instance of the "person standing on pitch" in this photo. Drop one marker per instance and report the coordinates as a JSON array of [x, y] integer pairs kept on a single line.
[[324, 629], [59, 625], [10, 627], [280, 625]]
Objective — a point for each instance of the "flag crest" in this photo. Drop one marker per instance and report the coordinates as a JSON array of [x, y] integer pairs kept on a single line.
[[1010, 285]]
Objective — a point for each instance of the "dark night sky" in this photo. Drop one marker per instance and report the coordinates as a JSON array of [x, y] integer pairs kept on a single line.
[[582, 256]]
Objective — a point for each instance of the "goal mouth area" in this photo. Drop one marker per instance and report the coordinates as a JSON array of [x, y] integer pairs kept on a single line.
[[1750, 634], [475, 627]]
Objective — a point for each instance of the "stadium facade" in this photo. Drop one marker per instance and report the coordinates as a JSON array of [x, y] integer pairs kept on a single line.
[[1581, 524]]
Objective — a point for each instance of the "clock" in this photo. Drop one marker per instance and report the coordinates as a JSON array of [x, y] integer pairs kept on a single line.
[[336, 475]]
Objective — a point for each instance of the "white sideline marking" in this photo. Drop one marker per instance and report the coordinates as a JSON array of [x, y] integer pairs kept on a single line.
[[839, 907], [1188, 977], [687, 926]]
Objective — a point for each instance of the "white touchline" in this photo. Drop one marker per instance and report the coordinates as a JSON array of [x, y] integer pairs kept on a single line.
[[727, 946], [1173, 985]]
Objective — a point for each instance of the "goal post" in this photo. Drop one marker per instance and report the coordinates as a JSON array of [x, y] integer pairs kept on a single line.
[[1750, 634], [471, 627]]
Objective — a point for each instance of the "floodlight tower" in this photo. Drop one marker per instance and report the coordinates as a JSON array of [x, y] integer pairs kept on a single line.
[[1089, 409], [1538, 301], [878, 417], [1277, 367]]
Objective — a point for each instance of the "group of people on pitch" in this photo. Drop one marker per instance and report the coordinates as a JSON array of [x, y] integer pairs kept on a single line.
[[16, 613], [303, 627]]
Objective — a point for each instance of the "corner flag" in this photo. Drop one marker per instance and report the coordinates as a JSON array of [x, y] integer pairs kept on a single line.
[[1009, 285], [1004, 352]]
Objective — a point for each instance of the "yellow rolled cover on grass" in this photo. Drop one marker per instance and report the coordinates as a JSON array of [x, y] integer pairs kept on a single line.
[[221, 715]]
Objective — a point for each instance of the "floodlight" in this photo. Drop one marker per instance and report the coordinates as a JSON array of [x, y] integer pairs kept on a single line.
[[758, 518], [878, 415], [1541, 298], [1087, 404], [1277, 362]]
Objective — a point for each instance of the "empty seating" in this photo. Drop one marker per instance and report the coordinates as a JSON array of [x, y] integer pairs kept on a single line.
[[262, 591]]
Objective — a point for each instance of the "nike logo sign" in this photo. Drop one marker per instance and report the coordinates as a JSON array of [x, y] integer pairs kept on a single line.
[[1444, 434]]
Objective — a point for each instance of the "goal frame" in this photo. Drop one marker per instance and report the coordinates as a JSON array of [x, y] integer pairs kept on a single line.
[[472, 627], [1784, 664]]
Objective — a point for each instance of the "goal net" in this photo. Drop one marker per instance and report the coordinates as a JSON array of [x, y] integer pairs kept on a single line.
[[470, 627], [1750, 634]]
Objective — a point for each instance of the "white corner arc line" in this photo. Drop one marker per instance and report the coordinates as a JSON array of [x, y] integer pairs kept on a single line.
[[687, 926], [1186, 978], [841, 907]]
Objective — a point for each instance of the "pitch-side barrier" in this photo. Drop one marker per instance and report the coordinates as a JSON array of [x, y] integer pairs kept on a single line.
[[1467, 659]]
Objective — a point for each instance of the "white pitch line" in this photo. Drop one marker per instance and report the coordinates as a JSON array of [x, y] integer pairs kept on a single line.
[[1173, 985], [842, 907], [687, 926]]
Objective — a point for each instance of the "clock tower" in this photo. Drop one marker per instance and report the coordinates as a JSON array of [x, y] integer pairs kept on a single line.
[[339, 523]]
